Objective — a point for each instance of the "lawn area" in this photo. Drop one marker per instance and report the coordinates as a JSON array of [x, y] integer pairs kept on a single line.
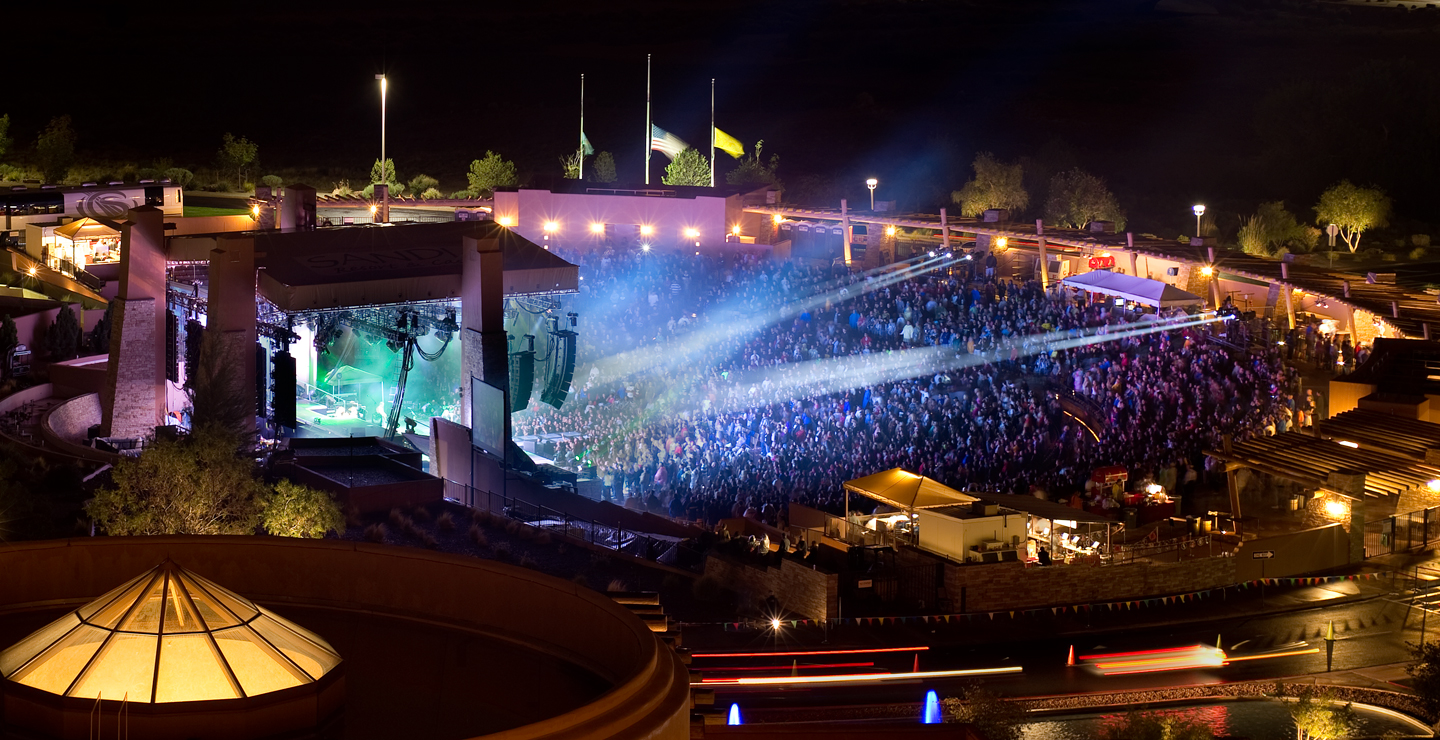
[[194, 211]]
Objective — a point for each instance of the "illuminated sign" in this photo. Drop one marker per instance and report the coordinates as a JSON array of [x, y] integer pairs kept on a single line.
[[1102, 263]]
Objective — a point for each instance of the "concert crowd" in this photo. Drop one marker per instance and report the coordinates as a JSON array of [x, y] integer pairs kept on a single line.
[[738, 396]]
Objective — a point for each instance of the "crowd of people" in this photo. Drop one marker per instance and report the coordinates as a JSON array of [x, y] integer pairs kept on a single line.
[[709, 389]]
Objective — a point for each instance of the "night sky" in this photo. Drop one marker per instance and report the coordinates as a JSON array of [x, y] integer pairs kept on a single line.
[[1162, 104]]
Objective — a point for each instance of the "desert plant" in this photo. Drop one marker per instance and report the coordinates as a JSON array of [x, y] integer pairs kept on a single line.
[[477, 535], [420, 514], [528, 562], [445, 522], [502, 553], [616, 586], [375, 533], [429, 541]]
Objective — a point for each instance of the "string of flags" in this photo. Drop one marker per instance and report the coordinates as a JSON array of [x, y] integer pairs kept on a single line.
[[1101, 607]]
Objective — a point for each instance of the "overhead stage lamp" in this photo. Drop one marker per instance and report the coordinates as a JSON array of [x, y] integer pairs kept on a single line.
[[597, 228], [691, 233], [505, 221], [645, 247], [646, 229], [551, 227]]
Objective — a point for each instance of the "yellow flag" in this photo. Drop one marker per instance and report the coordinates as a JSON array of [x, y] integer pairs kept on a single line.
[[729, 144]]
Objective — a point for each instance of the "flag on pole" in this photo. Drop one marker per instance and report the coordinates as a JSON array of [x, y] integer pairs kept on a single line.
[[729, 144], [585, 144], [665, 142]]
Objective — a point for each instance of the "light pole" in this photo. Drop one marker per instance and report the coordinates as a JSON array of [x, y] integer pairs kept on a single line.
[[1199, 210], [384, 175], [871, 183]]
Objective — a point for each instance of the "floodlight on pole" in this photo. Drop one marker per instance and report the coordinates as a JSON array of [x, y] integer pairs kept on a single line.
[[384, 174], [1199, 209], [871, 183]]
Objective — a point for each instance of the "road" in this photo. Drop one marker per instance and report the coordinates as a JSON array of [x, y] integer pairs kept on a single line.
[[1368, 633]]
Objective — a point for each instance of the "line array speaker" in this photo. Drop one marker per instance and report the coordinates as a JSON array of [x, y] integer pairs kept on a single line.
[[558, 386]]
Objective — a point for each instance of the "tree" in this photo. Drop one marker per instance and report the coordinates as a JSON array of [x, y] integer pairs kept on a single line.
[[294, 510], [996, 185], [216, 401], [422, 183], [55, 149], [1272, 229], [1155, 726], [237, 154], [1354, 209], [1425, 674], [62, 341], [5, 140], [274, 182], [996, 718], [1318, 716], [753, 172], [689, 167], [9, 334], [99, 342], [489, 173], [431, 194], [386, 175], [570, 164], [198, 485], [1077, 198], [180, 176], [603, 168]]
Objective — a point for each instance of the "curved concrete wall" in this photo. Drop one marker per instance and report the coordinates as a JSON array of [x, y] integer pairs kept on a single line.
[[70, 421], [651, 695]]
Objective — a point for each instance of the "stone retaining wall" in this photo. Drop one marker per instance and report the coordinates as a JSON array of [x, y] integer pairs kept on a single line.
[[803, 592], [1003, 586]]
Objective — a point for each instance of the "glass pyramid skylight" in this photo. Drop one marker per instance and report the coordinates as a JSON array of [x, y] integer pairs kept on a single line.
[[166, 636]]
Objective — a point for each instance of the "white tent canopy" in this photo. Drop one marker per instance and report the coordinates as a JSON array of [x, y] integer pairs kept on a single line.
[[1131, 288]]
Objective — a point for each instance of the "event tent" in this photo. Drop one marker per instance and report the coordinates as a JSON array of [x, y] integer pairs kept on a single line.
[[907, 491], [1131, 288]]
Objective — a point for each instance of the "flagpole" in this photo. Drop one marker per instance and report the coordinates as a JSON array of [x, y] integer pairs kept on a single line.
[[712, 132], [647, 119], [582, 125]]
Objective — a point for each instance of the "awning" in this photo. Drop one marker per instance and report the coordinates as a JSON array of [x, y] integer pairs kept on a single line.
[[1141, 290], [86, 228], [906, 490]]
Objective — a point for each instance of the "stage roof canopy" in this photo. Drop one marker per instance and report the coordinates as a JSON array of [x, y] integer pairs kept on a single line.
[[905, 490], [348, 266], [1141, 290]]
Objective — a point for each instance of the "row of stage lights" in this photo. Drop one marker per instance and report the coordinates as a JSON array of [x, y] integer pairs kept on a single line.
[[553, 227]]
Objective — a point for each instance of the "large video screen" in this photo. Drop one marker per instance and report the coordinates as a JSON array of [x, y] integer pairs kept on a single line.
[[487, 417]]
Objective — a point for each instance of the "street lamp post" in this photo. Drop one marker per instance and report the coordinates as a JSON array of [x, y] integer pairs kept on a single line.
[[871, 183], [1199, 210], [384, 175]]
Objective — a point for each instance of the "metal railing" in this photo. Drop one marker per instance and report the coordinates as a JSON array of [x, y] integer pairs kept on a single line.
[[1150, 550], [1402, 532], [631, 542]]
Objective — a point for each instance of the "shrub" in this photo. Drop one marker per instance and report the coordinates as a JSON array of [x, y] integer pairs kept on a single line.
[[421, 514], [1418, 253], [398, 518], [180, 176], [272, 181], [477, 535], [512, 528], [528, 562], [445, 523], [429, 541], [375, 533], [1420, 240], [543, 537], [502, 553], [616, 585], [483, 517]]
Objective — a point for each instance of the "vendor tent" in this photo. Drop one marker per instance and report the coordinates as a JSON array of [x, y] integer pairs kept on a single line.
[[907, 491], [1141, 290], [86, 228]]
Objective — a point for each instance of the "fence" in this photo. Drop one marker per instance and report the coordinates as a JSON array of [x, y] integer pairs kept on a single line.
[[1402, 532], [1152, 550], [665, 550]]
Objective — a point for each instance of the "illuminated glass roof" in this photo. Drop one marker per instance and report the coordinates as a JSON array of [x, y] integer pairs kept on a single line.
[[166, 636]]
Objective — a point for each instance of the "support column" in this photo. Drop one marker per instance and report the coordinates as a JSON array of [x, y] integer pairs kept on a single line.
[[133, 401], [484, 350], [944, 230], [1351, 484], [1289, 293], [1044, 266], [230, 318], [1232, 482], [845, 228]]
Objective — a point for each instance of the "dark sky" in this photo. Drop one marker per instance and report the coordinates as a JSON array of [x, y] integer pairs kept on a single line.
[[1160, 103]]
